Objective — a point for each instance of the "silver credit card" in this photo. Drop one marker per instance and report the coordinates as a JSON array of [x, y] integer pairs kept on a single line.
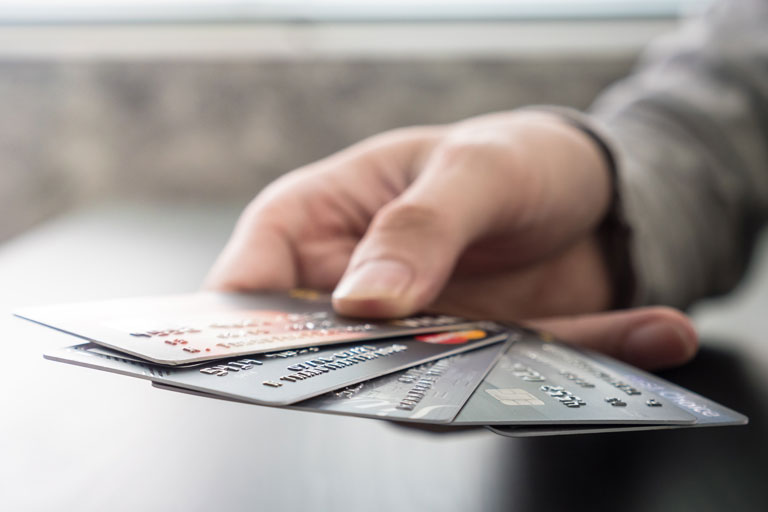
[[286, 377], [432, 392], [539, 382], [183, 329]]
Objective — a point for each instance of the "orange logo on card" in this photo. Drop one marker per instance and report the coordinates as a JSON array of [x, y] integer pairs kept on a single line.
[[452, 338]]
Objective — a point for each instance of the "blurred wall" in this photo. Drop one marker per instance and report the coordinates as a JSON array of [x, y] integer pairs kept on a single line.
[[75, 130]]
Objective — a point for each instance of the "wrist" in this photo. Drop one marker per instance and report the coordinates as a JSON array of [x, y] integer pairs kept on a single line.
[[613, 233]]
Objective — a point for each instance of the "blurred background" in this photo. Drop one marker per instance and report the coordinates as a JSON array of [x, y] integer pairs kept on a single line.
[[144, 127], [207, 101]]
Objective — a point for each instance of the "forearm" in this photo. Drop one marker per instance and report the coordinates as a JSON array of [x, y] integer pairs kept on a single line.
[[690, 132]]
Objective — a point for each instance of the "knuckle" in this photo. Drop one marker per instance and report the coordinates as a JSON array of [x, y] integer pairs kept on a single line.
[[479, 151], [404, 134], [474, 142], [456, 152], [282, 193], [410, 217]]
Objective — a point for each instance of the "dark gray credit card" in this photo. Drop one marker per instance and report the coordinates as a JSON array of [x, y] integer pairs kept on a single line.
[[432, 392], [286, 377]]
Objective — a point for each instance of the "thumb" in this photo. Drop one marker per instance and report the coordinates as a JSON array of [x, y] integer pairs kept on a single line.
[[413, 243], [401, 264], [651, 338]]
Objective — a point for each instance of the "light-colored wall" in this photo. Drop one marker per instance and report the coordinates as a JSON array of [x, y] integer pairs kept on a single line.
[[77, 127]]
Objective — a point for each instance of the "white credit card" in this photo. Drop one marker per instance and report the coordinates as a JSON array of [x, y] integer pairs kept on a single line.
[[185, 329]]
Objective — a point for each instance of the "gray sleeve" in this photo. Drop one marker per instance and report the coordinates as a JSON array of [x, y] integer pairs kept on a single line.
[[689, 129]]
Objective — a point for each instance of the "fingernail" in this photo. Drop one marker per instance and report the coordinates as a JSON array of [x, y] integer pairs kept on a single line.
[[657, 344], [375, 279]]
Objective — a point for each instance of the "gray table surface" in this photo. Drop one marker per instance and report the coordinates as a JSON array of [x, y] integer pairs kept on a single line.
[[74, 439]]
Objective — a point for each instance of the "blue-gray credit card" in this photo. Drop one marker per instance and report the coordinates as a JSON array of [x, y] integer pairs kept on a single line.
[[182, 329], [289, 376], [432, 392], [538, 382], [706, 412]]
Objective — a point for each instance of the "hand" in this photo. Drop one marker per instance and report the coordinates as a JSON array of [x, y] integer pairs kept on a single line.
[[493, 217]]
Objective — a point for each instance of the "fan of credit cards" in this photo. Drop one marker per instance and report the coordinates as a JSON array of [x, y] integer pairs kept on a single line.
[[291, 350]]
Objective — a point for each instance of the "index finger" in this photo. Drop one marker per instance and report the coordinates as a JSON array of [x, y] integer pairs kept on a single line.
[[257, 256]]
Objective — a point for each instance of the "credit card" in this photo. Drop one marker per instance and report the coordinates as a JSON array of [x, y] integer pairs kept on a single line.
[[538, 382], [185, 329], [432, 392], [289, 376], [569, 430], [706, 412]]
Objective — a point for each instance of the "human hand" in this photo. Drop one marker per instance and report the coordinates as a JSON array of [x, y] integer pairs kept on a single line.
[[493, 217]]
